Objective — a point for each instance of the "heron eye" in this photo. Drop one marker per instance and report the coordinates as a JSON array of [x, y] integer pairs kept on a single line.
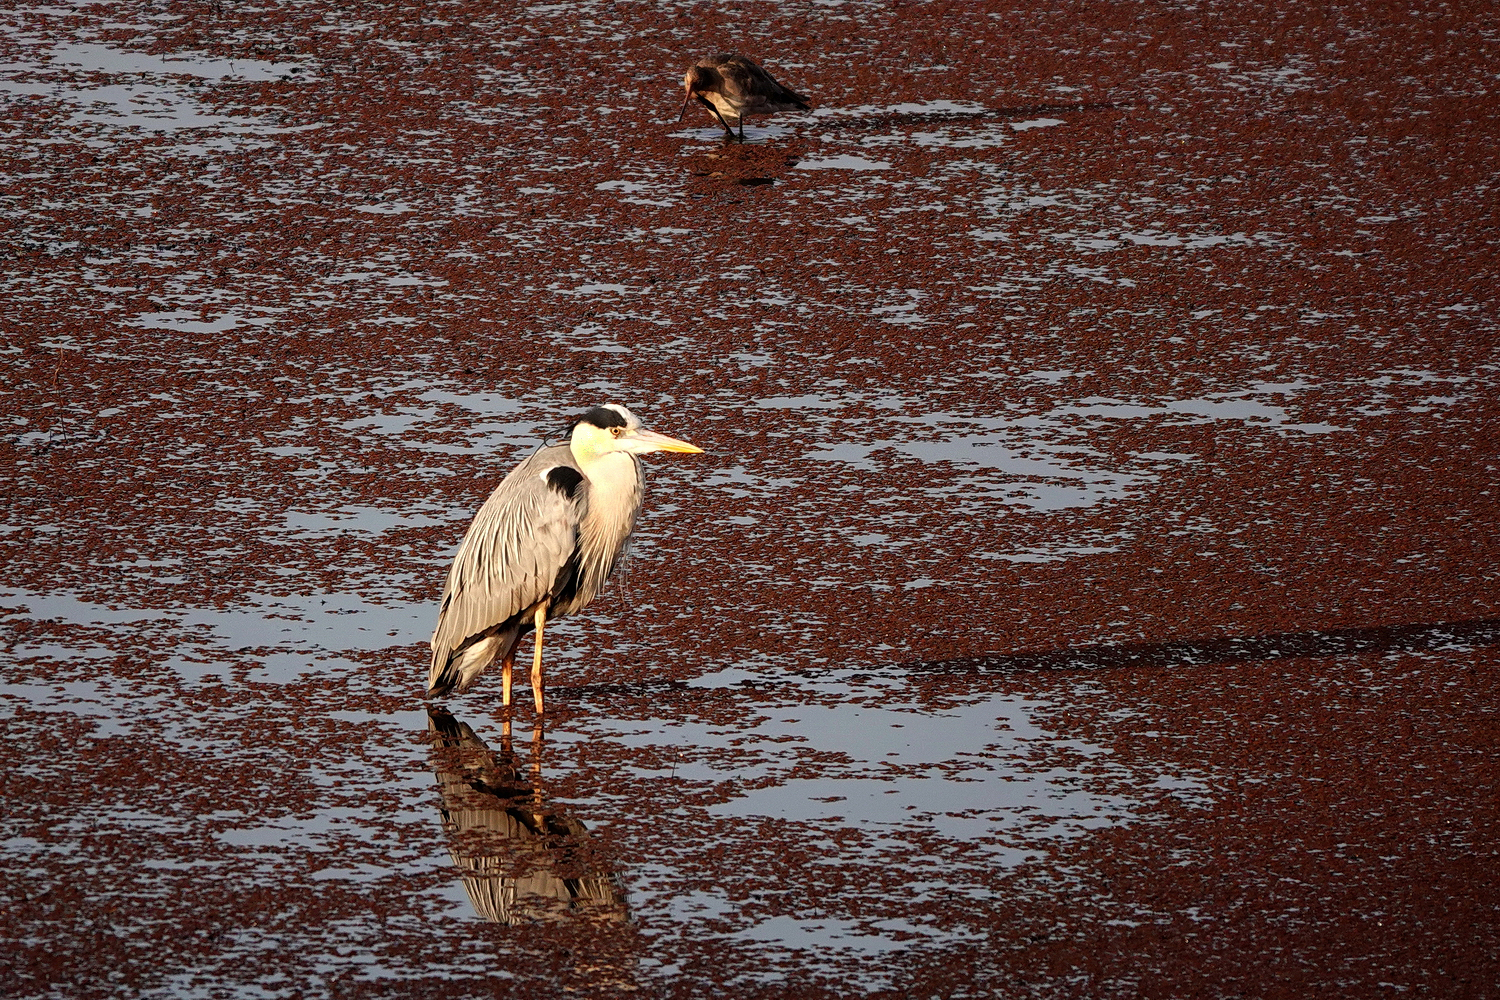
[[617, 431]]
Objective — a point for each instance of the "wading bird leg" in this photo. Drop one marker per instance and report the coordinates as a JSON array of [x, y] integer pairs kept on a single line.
[[536, 659], [536, 759], [709, 105], [505, 665], [742, 128]]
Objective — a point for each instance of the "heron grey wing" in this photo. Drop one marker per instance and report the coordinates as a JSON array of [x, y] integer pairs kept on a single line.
[[518, 543]]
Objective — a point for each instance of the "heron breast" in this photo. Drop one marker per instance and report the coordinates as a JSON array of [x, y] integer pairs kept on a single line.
[[614, 498]]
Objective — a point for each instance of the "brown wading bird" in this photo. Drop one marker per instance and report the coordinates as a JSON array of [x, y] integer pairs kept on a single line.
[[731, 87], [541, 547]]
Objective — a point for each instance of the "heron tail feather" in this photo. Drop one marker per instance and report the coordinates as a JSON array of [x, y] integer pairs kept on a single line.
[[455, 670]]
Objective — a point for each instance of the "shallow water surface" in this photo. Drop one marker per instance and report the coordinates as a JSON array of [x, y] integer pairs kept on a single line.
[[1085, 589]]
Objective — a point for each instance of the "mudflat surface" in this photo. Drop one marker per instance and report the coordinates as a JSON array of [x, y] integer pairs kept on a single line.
[[1089, 589]]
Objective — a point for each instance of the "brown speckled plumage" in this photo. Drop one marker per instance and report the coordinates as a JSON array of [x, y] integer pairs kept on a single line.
[[731, 86]]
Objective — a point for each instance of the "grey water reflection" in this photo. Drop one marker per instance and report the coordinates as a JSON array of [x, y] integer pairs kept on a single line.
[[522, 859]]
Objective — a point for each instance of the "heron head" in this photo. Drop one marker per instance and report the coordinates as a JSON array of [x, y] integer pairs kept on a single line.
[[612, 428]]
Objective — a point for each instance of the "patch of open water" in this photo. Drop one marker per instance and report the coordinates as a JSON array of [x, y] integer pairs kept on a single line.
[[157, 93], [980, 772], [870, 776]]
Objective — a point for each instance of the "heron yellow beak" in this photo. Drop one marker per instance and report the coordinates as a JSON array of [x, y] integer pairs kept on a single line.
[[644, 441]]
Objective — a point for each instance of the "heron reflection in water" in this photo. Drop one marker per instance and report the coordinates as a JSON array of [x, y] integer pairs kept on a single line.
[[522, 860]]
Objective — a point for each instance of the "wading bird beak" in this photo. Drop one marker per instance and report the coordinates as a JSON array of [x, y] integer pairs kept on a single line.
[[643, 441], [685, 101]]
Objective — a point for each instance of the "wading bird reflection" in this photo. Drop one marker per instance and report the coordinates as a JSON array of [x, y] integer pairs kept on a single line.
[[731, 87], [521, 859], [541, 547]]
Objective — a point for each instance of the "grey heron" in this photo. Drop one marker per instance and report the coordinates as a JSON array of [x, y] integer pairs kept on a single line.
[[731, 87], [542, 546]]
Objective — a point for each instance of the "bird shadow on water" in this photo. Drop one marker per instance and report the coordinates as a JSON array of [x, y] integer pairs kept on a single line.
[[745, 165], [523, 859]]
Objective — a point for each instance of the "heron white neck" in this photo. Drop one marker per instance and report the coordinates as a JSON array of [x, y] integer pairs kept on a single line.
[[605, 469], [614, 499]]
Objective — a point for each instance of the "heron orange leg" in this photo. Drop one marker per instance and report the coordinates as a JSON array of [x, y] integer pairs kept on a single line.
[[536, 761], [536, 658], [505, 665]]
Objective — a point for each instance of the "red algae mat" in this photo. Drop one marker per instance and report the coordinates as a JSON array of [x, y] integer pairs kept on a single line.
[[1089, 588]]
